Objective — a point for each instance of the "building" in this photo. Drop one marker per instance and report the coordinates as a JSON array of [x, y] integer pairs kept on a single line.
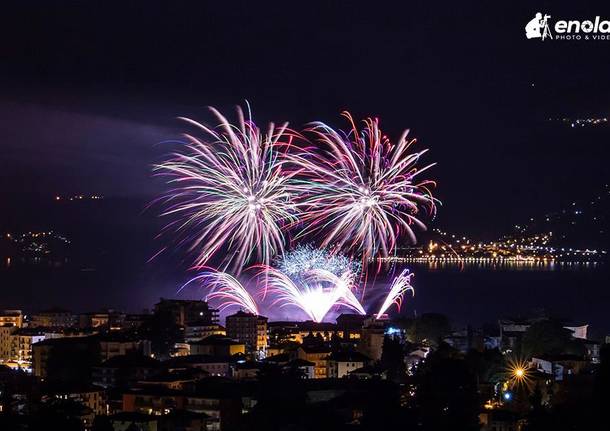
[[308, 369], [369, 372], [21, 346], [5, 341], [465, 340], [512, 331], [371, 343], [16, 345], [153, 400], [217, 345], [350, 325], [90, 396], [340, 364], [279, 359], [125, 421], [52, 318], [416, 353], [175, 379], [295, 332], [324, 331], [220, 400], [121, 371], [184, 420], [499, 420], [185, 311], [120, 343], [249, 329], [247, 370], [68, 332], [11, 317], [281, 333], [66, 351], [135, 321], [177, 420], [579, 332], [319, 356], [559, 367], [109, 319], [213, 365], [593, 349], [201, 329], [70, 409]]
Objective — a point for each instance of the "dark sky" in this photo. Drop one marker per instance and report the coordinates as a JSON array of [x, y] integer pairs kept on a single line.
[[89, 89]]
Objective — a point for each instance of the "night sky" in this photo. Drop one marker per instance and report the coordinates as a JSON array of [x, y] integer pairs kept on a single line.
[[90, 91]]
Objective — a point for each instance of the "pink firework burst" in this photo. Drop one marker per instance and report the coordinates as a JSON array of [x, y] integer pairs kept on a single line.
[[232, 192], [362, 192]]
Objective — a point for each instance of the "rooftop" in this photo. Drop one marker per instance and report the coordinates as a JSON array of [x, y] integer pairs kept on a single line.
[[196, 359], [120, 336], [242, 313], [64, 341], [348, 356], [132, 417], [315, 349], [131, 361], [300, 363], [189, 374], [277, 359], [216, 340], [52, 310], [28, 332]]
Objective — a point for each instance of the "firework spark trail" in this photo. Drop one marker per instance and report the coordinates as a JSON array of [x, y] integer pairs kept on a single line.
[[343, 287], [232, 190], [304, 258], [400, 285], [362, 193], [227, 290], [315, 295]]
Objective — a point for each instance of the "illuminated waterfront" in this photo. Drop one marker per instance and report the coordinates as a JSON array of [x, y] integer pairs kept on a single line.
[[487, 263]]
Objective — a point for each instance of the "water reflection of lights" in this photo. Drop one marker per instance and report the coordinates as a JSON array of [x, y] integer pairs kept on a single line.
[[498, 262]]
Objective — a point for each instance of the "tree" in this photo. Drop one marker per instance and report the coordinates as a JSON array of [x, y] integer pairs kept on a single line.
[[601, 389], [393, 359], [547, 337], [485, 364], [102, 423], [281, 400], [61, 415], [163, 332], [73, 360], [431, 327], [446, 394]]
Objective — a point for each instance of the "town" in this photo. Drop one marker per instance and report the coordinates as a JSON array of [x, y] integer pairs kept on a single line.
[[177, 368]]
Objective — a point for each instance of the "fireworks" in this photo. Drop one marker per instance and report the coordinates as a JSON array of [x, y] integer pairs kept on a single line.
[[227, 290], [316, 293], [231, 190], [400, 285], [305, 258], [238, 193], [362, 193], [313, 280]]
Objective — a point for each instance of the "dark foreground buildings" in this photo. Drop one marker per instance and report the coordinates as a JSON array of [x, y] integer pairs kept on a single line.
[[178, 369]]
